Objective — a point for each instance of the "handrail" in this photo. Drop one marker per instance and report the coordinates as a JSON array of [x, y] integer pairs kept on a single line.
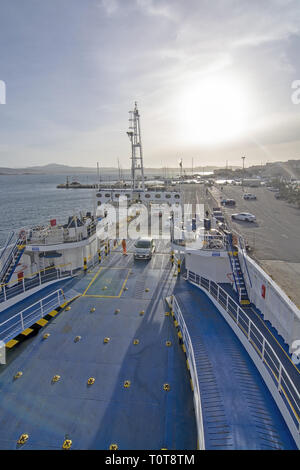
[[264, 349], [242, 248], [27, 317], [29, 276], [9, 238], [193, 370]]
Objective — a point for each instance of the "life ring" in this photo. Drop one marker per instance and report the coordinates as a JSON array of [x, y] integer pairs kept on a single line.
[[263, 291]]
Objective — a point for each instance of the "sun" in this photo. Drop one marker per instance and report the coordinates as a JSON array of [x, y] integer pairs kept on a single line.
[[213, 111]]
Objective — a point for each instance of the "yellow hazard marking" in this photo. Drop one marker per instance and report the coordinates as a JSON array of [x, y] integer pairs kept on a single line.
[[11, 343], [42, 322], [27, 331], [53, 313]]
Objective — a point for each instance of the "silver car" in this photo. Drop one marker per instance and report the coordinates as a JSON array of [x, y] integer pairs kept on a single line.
[[144, 248]]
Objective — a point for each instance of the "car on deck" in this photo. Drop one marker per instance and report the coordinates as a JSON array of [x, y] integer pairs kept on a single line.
[[144, 248]]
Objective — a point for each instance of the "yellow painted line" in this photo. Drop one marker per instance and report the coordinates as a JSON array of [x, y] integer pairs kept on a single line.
[[124, 283], [42, 322], [104, 296], [27, 331], [11, 343], [93, 280]]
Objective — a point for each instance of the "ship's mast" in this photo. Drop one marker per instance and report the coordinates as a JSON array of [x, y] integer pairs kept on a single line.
[[134, 135]]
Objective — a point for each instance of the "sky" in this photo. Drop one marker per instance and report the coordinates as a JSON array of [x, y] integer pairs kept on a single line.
[[213, 81]]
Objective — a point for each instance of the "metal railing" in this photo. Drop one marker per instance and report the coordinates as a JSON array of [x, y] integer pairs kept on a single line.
[[285, 385], [193, 371], [58, 235], [16, 287], [14, 325]]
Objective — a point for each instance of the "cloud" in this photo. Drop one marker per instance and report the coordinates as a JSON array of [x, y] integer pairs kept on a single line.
[[110, 6]]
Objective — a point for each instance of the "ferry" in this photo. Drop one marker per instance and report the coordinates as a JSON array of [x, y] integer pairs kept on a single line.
[[196, 348]]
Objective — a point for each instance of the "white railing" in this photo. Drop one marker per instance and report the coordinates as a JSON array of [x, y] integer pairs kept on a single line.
[[193, 370], [14, 325], [16, 287], [285, 385]]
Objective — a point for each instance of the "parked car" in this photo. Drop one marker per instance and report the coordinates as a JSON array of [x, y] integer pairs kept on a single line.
[[246, 216], [249, 196], [144, 248], [219, 218], [228, 202]]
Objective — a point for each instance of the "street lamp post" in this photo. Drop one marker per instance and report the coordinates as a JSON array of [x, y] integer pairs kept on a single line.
[[243, 158]]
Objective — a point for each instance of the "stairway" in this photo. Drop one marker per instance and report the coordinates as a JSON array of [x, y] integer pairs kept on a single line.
[[238, 276], [13, 259]]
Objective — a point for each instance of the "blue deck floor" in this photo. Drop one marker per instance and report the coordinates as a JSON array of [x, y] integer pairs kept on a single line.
[[238, 410]]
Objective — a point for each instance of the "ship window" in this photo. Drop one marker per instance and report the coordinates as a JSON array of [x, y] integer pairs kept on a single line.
[[157, 196], [99, 195], [147, 195], [117, 195], [168, 196], [107, 195], [177, 196]]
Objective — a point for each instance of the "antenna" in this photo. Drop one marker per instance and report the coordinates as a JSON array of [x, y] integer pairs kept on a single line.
[[134, 135]]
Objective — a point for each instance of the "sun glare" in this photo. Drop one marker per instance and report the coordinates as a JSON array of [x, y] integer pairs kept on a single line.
[[213, 111]]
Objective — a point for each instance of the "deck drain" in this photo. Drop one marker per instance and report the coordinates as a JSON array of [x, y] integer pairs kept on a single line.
[[55, 378], [67, 444], [18, 375], [22, 439], [113, 447]]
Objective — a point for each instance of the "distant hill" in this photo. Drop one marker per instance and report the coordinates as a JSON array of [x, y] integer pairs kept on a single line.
[[288, 168]]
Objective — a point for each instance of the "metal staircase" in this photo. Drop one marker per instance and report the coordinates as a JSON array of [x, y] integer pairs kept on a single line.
[[13, 259], [238, 275]]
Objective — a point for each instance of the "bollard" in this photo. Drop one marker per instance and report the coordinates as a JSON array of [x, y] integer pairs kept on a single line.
[[178, 266], [99, 256], [172, 257], [84, 264]]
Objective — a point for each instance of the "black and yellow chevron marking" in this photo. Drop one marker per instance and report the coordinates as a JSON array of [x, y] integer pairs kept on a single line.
[[180, 338], [32, 331]]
